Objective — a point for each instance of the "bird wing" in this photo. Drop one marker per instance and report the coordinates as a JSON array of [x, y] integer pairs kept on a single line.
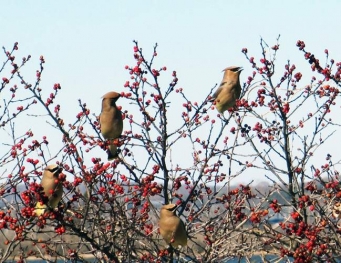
[[180, 234], [216, 93]]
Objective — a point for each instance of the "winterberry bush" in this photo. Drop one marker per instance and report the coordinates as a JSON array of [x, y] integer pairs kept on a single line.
[[283, 131]]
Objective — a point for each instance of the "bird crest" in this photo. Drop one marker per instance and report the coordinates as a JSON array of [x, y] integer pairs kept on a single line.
[[233, 68], [111, 95]]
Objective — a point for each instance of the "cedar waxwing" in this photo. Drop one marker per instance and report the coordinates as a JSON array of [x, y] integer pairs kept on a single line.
[[172, 229], [229, 90], [111, 121], [53, 188]]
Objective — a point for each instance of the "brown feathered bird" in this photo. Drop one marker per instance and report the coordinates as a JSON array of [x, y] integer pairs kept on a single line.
[[111, 122], [172, 229], [229, 90], [53, 188]]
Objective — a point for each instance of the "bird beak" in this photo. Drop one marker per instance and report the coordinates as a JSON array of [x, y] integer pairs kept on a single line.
[[240, 69]]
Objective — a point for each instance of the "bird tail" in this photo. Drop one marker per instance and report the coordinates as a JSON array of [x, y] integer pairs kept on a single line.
[[40, 209], [112, 152]]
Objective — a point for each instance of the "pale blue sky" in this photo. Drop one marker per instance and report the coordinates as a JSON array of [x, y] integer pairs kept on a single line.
[[86, 44]]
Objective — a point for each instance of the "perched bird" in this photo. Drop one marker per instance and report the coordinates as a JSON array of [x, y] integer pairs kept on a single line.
[[229, 90], [172, 229], [111, 121], [53, 188]]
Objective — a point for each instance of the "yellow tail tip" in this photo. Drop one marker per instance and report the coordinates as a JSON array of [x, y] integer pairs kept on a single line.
[[40, 209]]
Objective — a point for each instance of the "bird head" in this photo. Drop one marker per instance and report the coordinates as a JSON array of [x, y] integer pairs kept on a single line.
[[234, 69], [54, 169], [169, 209], [232, 73], [112, 95]]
